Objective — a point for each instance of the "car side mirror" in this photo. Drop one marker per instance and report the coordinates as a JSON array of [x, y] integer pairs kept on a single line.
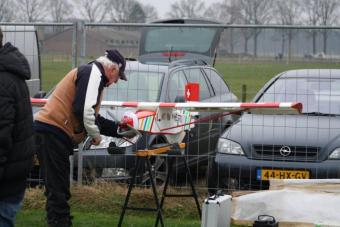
[[179, 99], [40, 94]]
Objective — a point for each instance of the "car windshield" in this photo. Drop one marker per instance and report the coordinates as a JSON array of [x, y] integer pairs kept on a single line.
[[317, 95], [141, 86]]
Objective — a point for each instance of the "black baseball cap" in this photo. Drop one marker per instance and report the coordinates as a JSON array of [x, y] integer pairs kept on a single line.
[[117, 57]]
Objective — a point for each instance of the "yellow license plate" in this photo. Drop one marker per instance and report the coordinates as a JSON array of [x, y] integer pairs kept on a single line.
[[267, 174]]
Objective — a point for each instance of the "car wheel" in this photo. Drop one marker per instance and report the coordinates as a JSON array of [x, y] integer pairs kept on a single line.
[[159, 171], [231, 184], [159, 166], [90, 174], [212, 177], [216, 183]]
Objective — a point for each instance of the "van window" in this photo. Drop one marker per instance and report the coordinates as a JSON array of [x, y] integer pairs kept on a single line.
[[25, 39]]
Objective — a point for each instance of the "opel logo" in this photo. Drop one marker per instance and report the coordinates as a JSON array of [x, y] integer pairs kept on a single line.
[[285, 151]]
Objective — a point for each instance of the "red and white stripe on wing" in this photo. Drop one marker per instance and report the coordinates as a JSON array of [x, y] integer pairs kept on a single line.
[[38, 102], [273, 107]]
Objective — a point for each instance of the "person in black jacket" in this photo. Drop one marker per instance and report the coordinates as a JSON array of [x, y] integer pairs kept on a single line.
[[16, 131]]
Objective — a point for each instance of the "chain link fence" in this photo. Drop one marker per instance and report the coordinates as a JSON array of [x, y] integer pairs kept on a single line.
[[252, 148]]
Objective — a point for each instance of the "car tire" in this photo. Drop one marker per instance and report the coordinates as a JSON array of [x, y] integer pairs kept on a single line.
[[216, 183], [159, 167], [90, 174], [231, 184], [211, 176]]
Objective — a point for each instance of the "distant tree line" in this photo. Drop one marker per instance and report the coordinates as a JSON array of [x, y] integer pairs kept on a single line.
[[291, 12], [256, 12], [311, 12], [72, 10], [262, 12]]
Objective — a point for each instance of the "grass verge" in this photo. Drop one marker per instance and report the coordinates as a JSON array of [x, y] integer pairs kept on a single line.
[[90, 219], [100, 205]]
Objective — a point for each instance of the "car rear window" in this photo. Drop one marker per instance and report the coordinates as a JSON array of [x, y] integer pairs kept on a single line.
[[187, 39]]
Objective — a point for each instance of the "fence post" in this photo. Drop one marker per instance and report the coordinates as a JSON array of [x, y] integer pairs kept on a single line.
[[83, 43], [80, 164], [74, 45], [71, 168], [244, 92]]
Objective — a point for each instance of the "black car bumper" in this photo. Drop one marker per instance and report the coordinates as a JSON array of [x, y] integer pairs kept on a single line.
[[240, 167], [100, 158]]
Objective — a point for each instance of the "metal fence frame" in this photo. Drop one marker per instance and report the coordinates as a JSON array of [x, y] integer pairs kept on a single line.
[[79, 30]]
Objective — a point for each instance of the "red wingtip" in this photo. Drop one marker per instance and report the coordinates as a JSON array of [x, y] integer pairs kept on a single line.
[[297, 106], [38, 101]]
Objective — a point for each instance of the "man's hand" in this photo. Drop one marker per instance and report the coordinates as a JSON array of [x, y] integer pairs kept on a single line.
[[96, 140], [126, 131]]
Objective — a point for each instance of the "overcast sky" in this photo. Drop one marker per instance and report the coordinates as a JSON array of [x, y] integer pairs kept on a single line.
[[163, 6]]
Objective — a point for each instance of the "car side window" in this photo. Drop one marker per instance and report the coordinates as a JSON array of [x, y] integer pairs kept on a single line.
[[176, 87], [219, 85], [195, 75]]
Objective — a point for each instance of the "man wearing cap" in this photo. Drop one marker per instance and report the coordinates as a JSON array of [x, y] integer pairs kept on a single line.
[[70, 114]]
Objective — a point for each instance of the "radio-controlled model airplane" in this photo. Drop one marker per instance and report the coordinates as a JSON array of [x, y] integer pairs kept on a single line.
[[173, 119]]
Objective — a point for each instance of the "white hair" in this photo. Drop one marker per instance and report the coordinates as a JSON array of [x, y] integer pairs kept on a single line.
[[106, 62]]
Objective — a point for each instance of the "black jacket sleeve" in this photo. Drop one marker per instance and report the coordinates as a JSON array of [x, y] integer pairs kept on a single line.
[[7, 117], [107, 127]]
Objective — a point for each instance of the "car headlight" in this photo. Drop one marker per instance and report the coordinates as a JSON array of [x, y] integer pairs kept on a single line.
[[226, 146], [335, 154]]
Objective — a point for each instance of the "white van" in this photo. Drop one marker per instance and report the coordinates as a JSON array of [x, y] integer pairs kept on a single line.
[[26, 40]]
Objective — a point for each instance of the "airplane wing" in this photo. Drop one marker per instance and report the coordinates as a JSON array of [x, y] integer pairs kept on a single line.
[[172, 119], [265, 107]]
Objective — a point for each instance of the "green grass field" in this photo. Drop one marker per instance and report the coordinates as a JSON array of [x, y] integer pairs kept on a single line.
[[90, 219], [255, 75], [53, 70], [252, 74], [100, 205]]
